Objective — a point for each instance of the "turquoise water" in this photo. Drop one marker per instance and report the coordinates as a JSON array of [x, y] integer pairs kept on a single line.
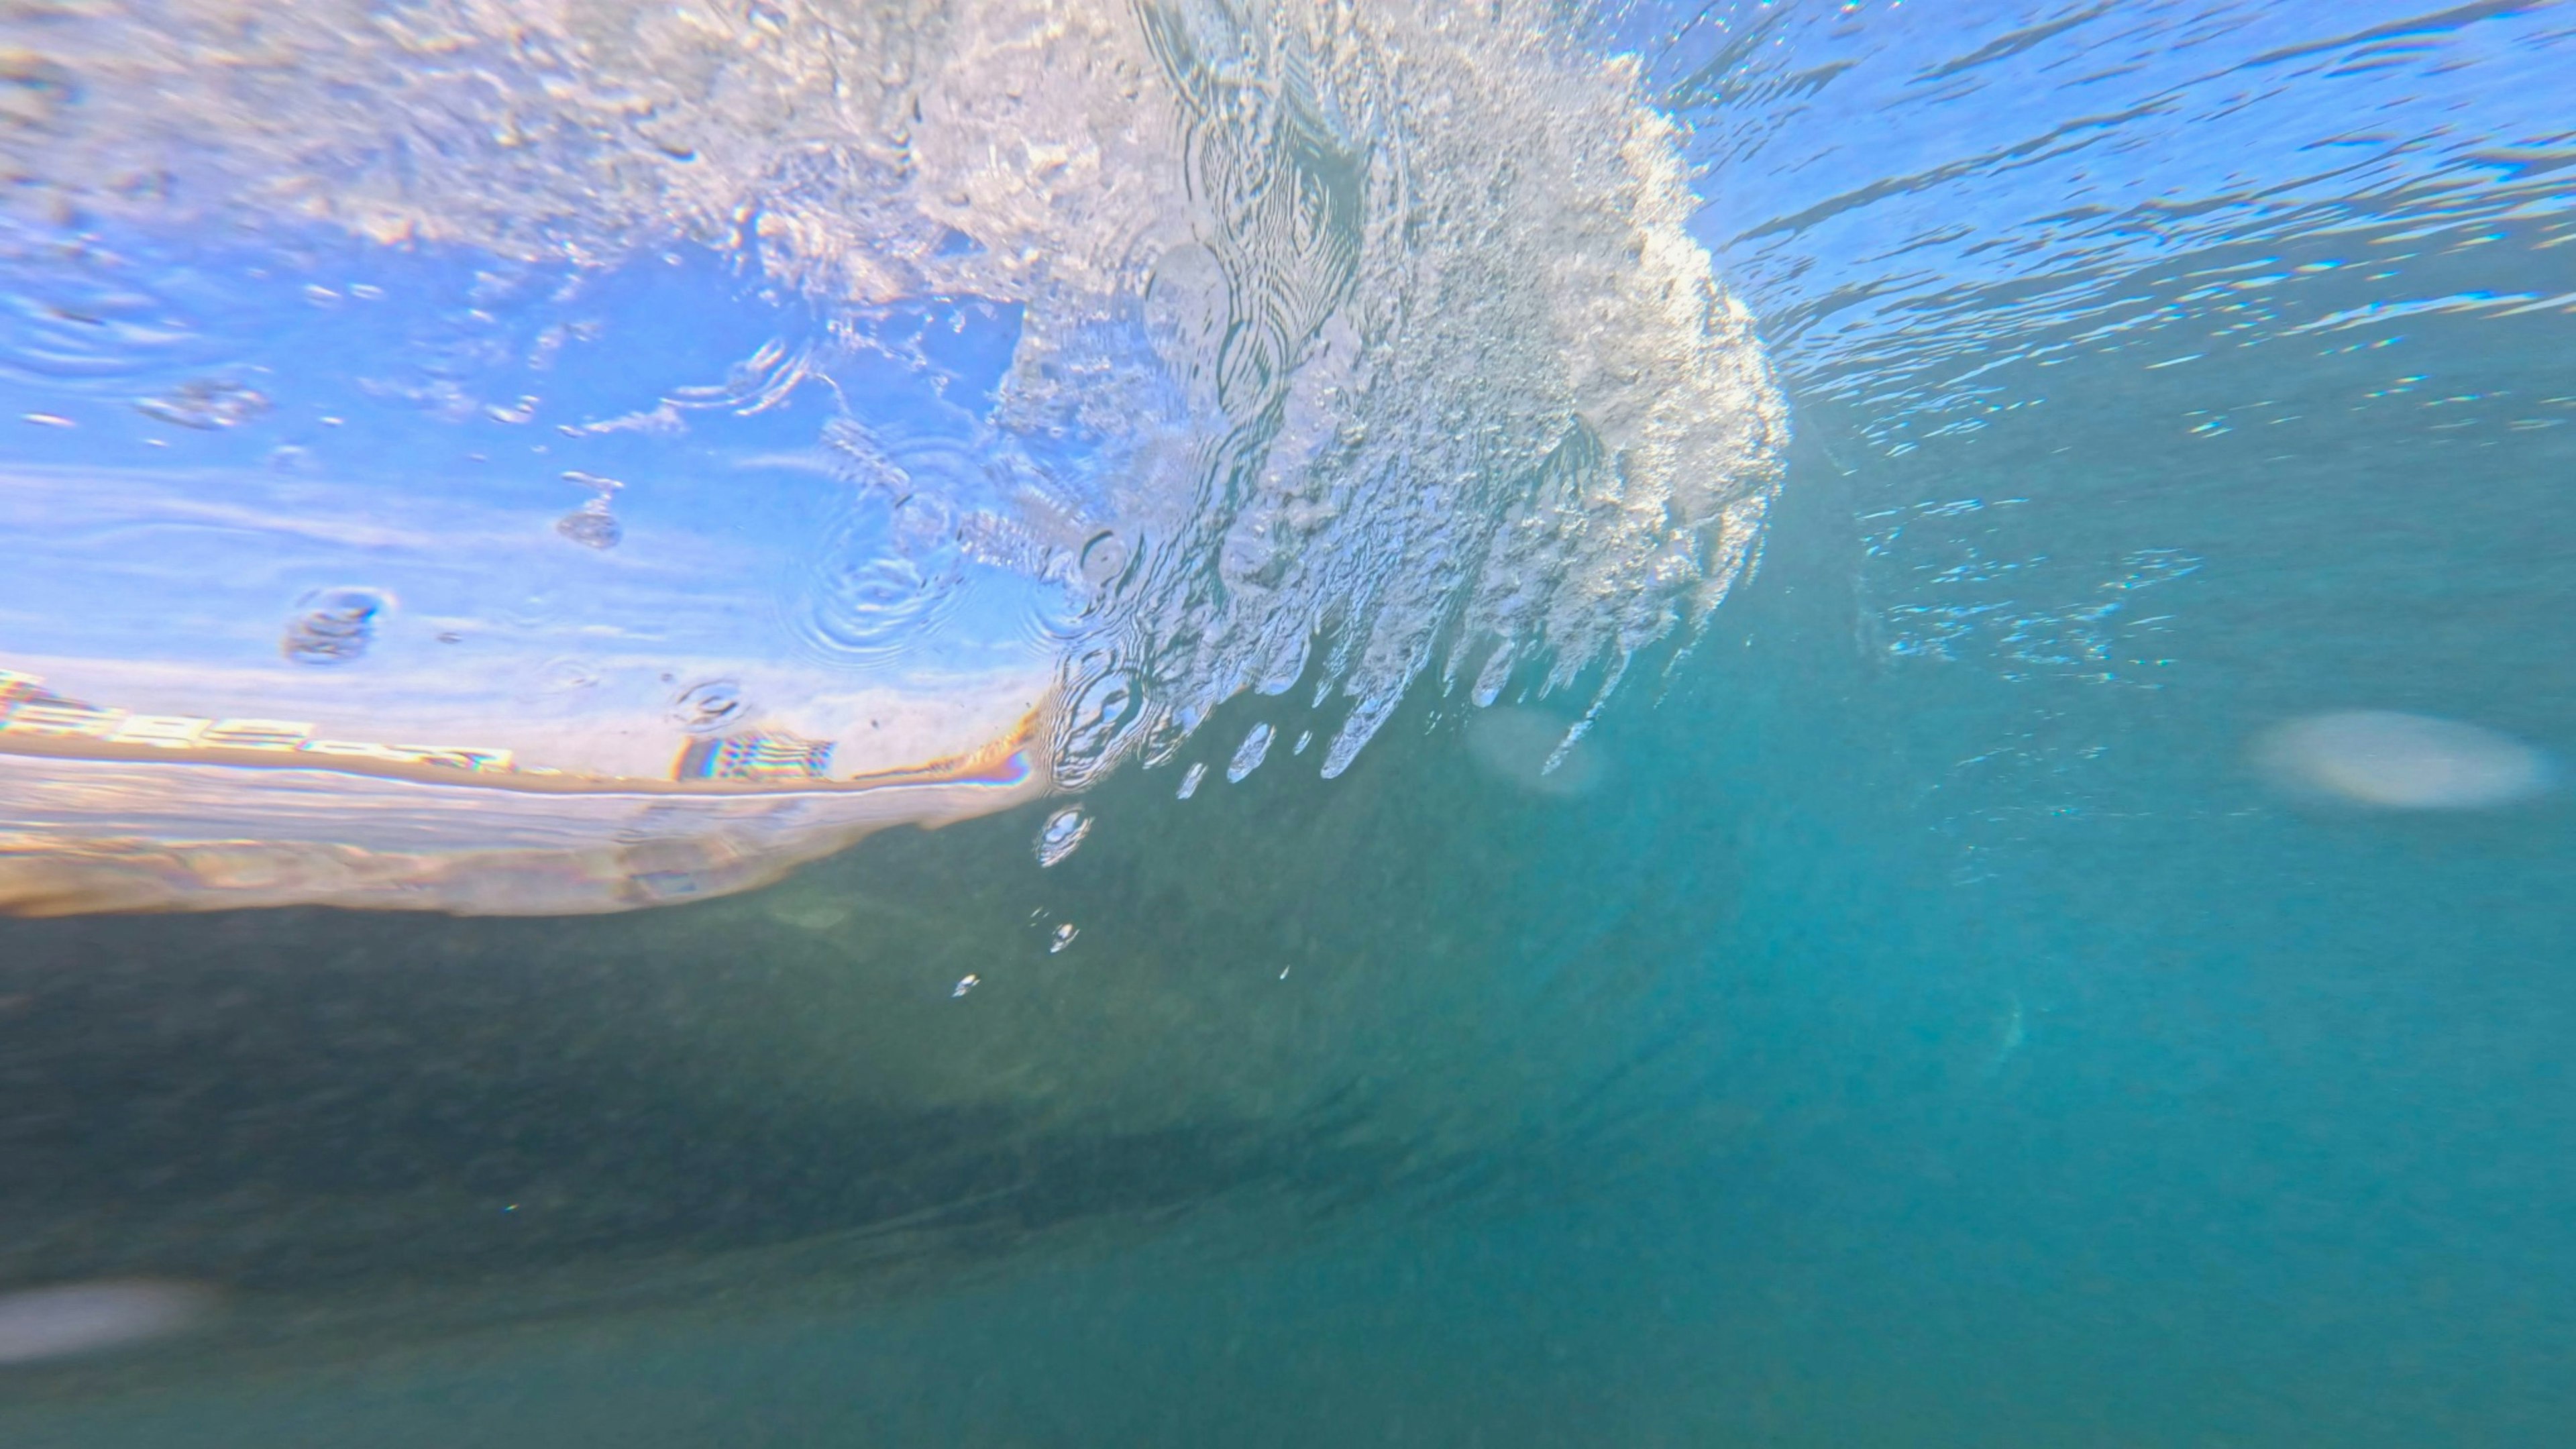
[[1983, 984]]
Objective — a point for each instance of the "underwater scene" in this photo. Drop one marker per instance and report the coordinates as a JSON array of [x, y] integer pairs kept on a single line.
[[1287, 722]]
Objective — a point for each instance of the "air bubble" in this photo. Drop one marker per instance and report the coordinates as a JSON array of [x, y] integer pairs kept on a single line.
[[1061, 834], [592, 526], [333, 626], [1249, 755], [206, 404], [710, 706]]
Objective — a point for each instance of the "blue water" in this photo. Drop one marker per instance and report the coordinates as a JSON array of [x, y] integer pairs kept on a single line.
[[1930, 1005]]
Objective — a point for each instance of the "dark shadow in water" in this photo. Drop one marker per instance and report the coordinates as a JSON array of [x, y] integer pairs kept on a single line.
[[367, 1129]]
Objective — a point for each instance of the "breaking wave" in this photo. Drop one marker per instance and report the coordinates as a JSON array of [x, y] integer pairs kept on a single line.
[[1253, 347]]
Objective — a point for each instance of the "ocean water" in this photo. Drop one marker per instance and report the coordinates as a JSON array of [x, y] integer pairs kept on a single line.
[[1287, 724]]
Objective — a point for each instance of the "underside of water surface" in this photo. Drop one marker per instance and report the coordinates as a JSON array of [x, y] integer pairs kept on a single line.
[[635, 452], [1776, 724]]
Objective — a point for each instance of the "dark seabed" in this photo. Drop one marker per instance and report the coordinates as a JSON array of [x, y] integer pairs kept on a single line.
[[1962, 996]]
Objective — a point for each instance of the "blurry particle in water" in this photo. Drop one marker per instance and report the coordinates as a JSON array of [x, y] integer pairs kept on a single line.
[[809, 915], [32, 91], [1514, 743], [1249, 755], [207, 404], [333, 626], [1304, 738], [1190, 780], [965, 983], [592, 526], [1062, 832], [2011, 1030], [45, 1323], [2395, 761], [1063, 937], [709, 706]]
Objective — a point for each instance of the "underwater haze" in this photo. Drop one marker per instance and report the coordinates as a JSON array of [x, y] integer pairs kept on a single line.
[[1267, 722]]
